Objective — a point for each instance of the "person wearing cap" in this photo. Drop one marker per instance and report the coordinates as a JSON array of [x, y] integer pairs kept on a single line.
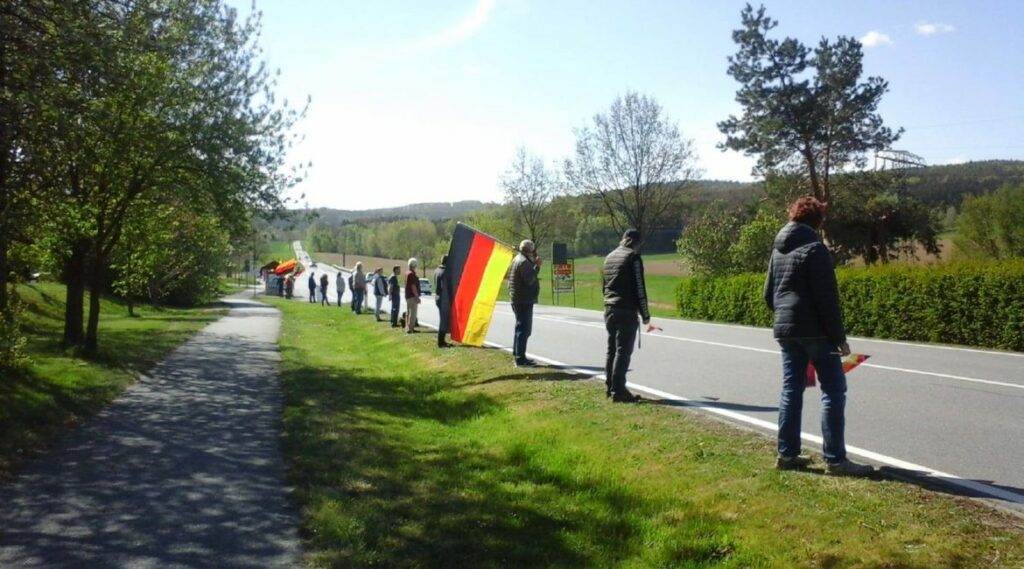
[[625, 297], [523, 290], [801, 290]]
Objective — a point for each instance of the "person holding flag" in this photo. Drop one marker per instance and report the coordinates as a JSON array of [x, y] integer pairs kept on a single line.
[[625, 296], [801, 290]]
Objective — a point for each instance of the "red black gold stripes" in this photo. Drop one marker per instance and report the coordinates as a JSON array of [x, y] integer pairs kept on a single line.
[[477, 265]]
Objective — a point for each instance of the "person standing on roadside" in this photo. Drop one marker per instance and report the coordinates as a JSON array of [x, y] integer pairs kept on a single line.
[[352, 290], [523, 290], [359, 287], [324, 280], [625, 297], [312, 288], [801, 290], [412, 296], [443, 299], [395, 294], [380, 289], [339, 283]]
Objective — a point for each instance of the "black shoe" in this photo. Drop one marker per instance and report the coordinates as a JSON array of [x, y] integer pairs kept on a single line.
[[625, 397], [525, 363], [444, 345]]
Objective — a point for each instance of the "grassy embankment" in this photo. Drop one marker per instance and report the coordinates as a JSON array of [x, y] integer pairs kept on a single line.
[[56, 389], [663, 272], [404, 455]]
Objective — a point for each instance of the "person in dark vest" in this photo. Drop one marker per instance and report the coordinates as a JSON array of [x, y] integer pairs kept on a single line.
[[443, 299], [312, 288], [523, 290], [380, 290], [625, 298], [395, 294], [324, 280], [801, 290]]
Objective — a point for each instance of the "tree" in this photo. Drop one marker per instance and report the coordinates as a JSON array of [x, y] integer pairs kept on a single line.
[[635, 161], [992, 226], [706, 240], [812, 125], [529, 187]]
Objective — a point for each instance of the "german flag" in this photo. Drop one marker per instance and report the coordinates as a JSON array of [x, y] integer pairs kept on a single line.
[[476, 265]]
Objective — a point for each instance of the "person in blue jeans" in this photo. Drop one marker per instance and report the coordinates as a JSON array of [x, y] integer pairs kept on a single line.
[[801, 290], [523, 290]]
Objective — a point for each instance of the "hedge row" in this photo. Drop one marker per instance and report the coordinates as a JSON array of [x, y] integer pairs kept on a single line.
[[975, 304]]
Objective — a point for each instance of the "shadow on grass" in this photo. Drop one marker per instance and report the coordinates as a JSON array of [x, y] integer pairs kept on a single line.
[[388, 477]]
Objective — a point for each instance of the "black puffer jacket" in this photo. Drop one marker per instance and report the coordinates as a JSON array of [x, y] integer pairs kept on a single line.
[[523, 285], [801, 286], [624, 285]]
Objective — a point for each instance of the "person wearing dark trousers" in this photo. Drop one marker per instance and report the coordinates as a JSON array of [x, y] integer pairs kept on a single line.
[[443, 299], [324, 279], [395, 294], [625, 298], [352, 290], [801, 290], [523, 290], [280, 286], [312, 288], [339, 283]]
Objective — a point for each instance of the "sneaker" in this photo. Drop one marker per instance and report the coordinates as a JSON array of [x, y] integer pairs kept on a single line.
[[848, 468], [791, 462]]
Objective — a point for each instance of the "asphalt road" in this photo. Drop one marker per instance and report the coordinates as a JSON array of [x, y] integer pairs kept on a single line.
[[184, 470], [947, 414]]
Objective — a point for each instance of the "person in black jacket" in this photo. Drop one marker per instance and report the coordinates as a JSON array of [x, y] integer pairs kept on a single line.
[[801, 290], [312, 287], [443, 299], [625, 296], [523, 290], [395, 294]]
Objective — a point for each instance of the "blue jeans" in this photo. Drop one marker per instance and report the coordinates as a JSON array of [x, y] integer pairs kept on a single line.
[[524, 327], [357, 300], [796, 353]]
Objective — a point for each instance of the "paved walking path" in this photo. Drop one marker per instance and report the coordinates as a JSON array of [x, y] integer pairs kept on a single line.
[[184, 470]]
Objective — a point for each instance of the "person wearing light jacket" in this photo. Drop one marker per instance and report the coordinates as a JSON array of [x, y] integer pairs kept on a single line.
[[339, 283], [801, 290]]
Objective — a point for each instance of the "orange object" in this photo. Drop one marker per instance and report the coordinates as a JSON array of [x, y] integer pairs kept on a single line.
[[849, 363], [285, 267]]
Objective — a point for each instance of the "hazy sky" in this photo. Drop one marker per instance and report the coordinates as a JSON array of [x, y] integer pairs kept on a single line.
[[419, 100]]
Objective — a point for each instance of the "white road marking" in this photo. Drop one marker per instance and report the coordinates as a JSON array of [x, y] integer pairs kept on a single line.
[[776, 352], [973, 485]]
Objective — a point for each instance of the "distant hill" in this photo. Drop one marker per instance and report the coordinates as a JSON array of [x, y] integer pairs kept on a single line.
[[434, 211], [949, 183]]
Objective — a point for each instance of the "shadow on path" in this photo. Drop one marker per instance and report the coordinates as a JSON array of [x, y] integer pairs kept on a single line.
[[185, 469]]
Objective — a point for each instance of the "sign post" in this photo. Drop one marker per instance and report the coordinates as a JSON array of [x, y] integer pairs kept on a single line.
[[563, 269]]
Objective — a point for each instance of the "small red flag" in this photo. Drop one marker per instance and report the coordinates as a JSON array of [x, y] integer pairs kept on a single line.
[[849, 363]]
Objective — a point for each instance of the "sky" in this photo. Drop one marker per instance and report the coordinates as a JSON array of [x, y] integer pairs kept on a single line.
[[425, 100]]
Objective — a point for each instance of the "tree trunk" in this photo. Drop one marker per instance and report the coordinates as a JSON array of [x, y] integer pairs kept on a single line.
[[74, 275], [4, 270], [95, 293]]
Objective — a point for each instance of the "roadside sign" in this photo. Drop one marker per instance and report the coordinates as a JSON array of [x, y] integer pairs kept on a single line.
[[562, 279]]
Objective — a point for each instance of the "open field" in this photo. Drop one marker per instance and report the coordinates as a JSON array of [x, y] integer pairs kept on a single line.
[[404, 455], [279, 251], [55, 390]]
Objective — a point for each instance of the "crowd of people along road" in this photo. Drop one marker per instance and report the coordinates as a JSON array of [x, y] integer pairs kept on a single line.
[[800, 288]]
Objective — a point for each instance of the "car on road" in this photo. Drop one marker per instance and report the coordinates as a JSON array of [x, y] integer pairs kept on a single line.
[[425, 289]]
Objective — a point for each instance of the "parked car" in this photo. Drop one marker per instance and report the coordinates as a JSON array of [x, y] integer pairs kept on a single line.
[[425, 287]]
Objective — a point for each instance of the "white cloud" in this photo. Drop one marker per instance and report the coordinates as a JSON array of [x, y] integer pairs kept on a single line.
[[466, 28], [875, 38], [932, 28]]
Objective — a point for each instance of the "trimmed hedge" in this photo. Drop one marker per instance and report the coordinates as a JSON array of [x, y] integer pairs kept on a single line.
[[974, 304]]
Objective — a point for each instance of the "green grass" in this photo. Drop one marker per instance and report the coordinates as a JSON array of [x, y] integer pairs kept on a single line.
[[403, 455], [278, 251], [57, 389]]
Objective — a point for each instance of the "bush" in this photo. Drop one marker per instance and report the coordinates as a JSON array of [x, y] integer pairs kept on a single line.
[[976, 304]]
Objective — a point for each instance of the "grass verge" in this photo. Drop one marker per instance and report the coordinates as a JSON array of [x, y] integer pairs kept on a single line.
[[56, 389], [404, 455]]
